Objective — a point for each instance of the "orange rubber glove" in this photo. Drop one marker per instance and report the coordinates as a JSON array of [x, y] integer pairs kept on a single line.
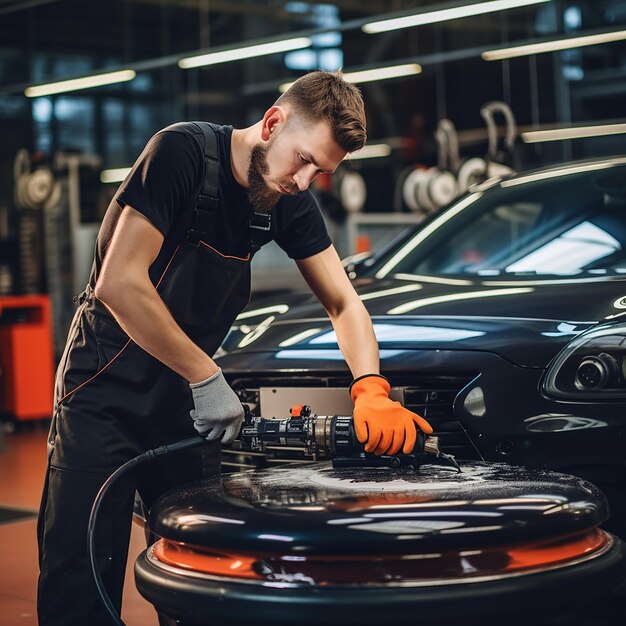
[[382, 424]]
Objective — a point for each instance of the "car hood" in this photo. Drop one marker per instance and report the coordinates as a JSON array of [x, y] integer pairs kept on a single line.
[[526, 321], [316, 509]]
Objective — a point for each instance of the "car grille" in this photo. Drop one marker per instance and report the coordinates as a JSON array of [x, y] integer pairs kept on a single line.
[[432, 397]]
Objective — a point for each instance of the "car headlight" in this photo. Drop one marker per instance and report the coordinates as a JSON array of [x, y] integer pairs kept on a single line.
[[591, 367]]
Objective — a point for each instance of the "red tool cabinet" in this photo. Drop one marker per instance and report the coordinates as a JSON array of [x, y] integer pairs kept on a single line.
[[26, 357]]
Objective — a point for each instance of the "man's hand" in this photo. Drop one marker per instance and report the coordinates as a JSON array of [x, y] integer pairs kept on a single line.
[[218, 411], [383, 425]]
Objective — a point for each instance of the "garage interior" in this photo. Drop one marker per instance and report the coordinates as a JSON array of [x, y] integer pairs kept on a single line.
[[516, 85]]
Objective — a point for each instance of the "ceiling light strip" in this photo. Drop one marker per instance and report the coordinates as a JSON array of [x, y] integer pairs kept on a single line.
[[554, 45], [567, 171], [574, 132], [383, 73], [116, 175], [371, 151], [444, 15], [75, 84], [246, 52], [373, 74]]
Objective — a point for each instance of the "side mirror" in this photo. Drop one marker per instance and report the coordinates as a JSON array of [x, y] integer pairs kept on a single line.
[[354, 263]]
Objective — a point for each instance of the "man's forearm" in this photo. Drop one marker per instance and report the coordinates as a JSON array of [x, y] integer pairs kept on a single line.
[[356, 339], [142, 314]]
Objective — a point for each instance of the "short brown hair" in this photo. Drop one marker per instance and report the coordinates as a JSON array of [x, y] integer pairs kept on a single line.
[[328, 96]]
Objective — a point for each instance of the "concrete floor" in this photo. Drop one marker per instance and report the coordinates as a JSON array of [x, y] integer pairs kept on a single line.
[[22, 467]]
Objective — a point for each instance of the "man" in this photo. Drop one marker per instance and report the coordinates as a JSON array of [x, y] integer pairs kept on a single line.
[[171, 273]]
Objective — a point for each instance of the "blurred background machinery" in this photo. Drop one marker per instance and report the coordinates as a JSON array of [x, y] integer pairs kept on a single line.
[[455, 93]]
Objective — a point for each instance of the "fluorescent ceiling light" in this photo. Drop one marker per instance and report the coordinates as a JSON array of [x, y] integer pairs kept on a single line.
[[579, 132], [553, 46], [379, 73], [247, 52], [566, 171], [74, 84], [443, 15], [382, 73], [114, 176], [371, 151]]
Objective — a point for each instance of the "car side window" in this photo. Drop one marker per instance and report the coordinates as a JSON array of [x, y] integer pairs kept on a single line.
[[504, 228], [565, 226]]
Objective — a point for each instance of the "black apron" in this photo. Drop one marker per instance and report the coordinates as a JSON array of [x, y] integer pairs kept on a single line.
[[113, 401], [102, 370]]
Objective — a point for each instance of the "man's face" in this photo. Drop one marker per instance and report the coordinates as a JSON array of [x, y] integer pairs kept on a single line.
[[293, 156]]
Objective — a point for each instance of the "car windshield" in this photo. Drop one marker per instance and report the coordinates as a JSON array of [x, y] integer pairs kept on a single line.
[[561, 221]]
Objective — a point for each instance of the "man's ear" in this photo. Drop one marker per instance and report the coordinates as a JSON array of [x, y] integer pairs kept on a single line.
[[273, 119]]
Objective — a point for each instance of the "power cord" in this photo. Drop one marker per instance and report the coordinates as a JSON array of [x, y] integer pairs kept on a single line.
[[149, 455]]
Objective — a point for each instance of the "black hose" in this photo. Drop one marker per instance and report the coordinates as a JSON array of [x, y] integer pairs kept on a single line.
[[149, 455]]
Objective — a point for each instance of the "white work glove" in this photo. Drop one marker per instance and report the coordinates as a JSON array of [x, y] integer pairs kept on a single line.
[[218, 411]]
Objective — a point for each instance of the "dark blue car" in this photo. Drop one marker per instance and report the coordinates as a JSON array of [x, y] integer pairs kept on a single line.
[[502, 320]]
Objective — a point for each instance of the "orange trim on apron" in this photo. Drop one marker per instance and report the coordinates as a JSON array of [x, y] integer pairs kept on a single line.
[[226, 256], [67, 395]]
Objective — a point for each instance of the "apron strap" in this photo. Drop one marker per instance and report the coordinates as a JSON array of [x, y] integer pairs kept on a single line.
[[208, 199], [87, 294], [259, 223]]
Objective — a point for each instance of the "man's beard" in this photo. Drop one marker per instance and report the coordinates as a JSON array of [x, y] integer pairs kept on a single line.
[[260, 195]]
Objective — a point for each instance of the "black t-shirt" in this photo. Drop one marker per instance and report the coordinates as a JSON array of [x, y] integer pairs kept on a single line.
[[164, 182]]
